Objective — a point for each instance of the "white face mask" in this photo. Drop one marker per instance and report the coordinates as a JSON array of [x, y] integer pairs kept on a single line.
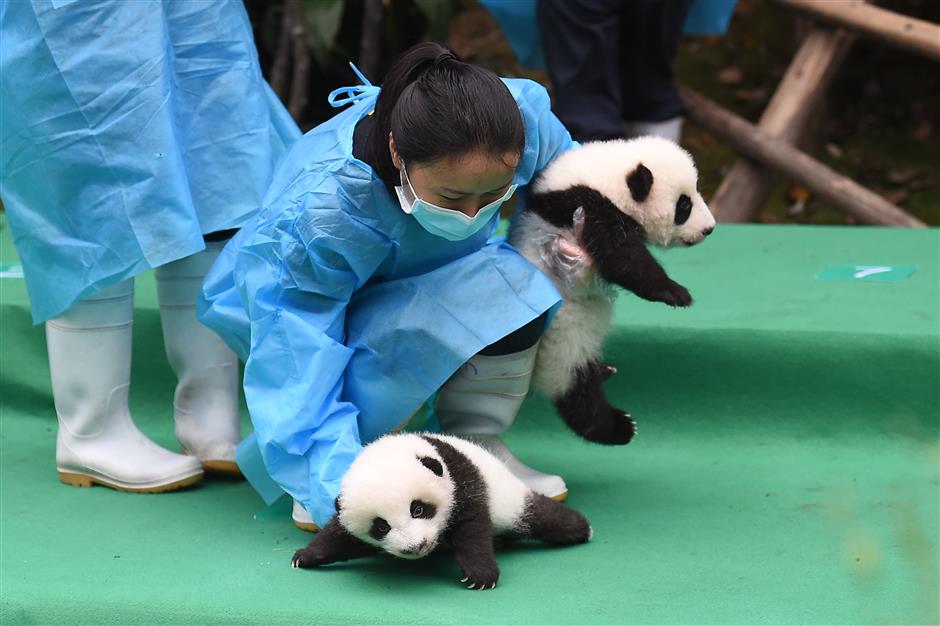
[[447, 223]]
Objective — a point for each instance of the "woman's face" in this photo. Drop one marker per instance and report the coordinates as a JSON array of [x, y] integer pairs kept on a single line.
[[466, 183]]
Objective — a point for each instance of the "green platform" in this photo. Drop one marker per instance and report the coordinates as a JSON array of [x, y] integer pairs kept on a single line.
[[786, 471]]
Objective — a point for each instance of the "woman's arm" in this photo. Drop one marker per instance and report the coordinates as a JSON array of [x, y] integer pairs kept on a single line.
[[296, 276]]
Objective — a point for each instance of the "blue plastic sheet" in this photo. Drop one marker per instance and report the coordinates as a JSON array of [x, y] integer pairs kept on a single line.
[[349, 313], [128, 129]]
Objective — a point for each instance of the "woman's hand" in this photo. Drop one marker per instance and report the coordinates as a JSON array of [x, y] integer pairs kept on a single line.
[[565, 257]]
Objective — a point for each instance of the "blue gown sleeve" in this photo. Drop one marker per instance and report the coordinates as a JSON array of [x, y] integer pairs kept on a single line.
[[545, 136], [297, 275]]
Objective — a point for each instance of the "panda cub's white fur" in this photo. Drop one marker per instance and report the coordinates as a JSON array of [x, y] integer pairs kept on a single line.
[[406, 494], [367, 489], [568, 231], [577, 332]]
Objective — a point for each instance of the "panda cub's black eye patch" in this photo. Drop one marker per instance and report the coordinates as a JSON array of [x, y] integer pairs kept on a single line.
[[683, 209], [379, 529], [422, 510]]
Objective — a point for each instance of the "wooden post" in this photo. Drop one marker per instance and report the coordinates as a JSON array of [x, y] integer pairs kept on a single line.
[[834, 188], [282, 58], [912, 34], [301, 56], [746, 187]]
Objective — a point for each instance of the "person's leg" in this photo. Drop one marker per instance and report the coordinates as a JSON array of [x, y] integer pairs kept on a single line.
[[90, 365], [581, 40], [651, 33], [481, 400], [205, 405]]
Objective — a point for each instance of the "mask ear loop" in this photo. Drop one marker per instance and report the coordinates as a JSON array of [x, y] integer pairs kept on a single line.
[[407, 204], [405, 180]]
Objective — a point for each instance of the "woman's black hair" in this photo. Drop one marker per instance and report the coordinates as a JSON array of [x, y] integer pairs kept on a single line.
[[437, 106]]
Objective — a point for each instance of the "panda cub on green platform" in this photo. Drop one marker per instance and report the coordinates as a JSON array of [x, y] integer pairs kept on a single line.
[[407, 494], [587, 222]]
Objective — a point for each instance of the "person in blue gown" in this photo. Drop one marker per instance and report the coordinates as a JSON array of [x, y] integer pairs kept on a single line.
[[133, 135], [370, 282]]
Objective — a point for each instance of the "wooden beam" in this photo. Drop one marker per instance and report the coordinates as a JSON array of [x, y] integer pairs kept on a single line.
[[836, 189], [746, 187], [910, 33]]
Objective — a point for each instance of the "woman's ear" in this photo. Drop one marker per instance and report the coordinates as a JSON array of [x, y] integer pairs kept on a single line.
[[396, 160]]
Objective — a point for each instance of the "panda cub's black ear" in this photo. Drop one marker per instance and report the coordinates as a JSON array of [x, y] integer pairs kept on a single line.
[[336, 504], [432, 464], [640, 181]]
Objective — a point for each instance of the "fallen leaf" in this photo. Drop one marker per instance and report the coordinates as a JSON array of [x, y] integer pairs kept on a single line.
[[701, 140], [895, 196], [730, 76], [752, 95], [902, 175], [923, 132], [798, 193], [923, 182]]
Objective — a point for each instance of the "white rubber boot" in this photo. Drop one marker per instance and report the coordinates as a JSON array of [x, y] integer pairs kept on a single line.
[[90, 365], [481, 401], [302, 519], [205, 405], [668, 129]]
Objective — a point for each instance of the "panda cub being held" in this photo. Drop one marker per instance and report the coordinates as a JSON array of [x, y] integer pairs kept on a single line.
[[587, 223], [407, 494]]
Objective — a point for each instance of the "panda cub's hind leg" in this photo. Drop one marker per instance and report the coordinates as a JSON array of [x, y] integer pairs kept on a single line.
[[585, 409], [552, 522]]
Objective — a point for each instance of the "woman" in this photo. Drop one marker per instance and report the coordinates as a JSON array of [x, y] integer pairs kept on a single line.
[[133, 135], [367, 280]]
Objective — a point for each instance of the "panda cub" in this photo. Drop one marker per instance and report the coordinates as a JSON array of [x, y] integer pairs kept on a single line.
[[587, 222], [407, 494]]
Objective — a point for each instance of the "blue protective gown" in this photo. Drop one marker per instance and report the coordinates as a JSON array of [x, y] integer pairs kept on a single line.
[[348, 314], [127, 131]]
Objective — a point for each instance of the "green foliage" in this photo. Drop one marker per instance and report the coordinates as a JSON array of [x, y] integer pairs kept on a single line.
[[323, 19], [438, 14]]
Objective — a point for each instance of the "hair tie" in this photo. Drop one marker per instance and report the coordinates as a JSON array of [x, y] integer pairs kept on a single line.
[[444, 56]]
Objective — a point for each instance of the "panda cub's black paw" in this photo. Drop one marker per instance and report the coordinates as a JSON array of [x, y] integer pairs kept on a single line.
[[674, 295], [617, 428], [481, 579], [305, 558]]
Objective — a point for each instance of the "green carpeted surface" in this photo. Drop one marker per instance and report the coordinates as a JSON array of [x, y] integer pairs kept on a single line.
[[786, 471]]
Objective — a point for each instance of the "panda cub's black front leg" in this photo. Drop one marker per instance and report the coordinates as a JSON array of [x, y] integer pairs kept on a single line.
[[585, 409], [472, 540], [330, 545], [617, 246]]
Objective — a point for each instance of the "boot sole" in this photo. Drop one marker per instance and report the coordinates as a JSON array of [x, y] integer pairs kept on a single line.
[[561, 497], [83, 480], [310, 527], [227, 468], [216, 466]]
